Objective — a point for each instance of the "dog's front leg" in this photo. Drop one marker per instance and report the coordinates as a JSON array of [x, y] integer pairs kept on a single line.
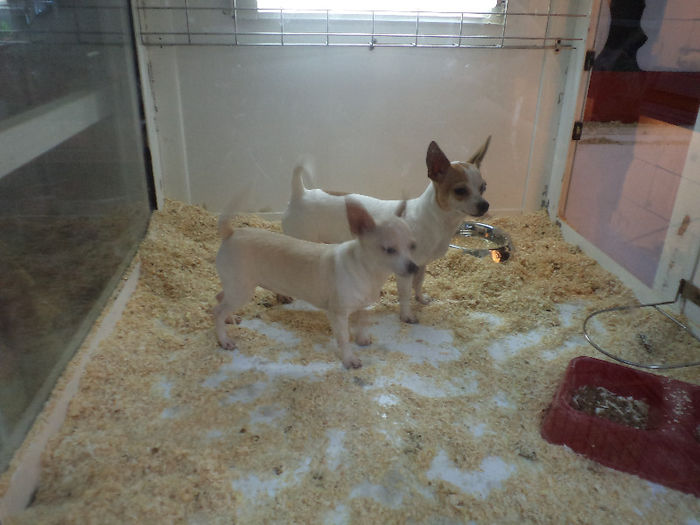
[[418, 286], [339, 324], [404, 286], [359, 321]]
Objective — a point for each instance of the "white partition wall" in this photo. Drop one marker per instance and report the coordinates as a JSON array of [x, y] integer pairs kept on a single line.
[[232, 120]]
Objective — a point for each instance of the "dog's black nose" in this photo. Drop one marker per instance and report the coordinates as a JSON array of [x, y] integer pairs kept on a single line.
[[482, 207], [412, 267]]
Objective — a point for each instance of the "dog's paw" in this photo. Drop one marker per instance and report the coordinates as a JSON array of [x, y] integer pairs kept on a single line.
[[409, 318], [351, 361], [363, 340], [423, 298], [227, 344], [233, 319]]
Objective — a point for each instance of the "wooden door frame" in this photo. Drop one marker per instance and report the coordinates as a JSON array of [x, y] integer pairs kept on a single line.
[[573, 106]]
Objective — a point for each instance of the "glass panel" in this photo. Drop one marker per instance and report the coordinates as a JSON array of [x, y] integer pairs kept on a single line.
[[640, 112], [73, 193]]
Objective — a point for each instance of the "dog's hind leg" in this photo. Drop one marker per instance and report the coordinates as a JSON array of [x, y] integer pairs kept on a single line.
[[418, 286], [221, 312], [229, 319], [404, 286], [229, 303]]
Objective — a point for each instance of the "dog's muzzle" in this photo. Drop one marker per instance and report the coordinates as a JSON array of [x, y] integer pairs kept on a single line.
[[482, 208], [412, 267]]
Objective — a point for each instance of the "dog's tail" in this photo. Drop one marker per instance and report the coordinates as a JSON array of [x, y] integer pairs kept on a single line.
[[225, 227], [298, 188]]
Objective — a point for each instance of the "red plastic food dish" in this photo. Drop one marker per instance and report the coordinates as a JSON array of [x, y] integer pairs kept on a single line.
[[666, 452]]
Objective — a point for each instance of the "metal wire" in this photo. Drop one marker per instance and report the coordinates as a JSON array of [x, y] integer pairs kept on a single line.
[[632, 363], [154, 27]]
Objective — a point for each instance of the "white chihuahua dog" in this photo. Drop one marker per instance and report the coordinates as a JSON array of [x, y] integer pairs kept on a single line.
[[455, 190], [341, 279]]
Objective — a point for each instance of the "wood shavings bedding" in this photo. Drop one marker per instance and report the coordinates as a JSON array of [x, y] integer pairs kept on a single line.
[[441, 425]]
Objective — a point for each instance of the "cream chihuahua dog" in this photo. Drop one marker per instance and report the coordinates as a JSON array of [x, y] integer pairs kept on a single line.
[[341, 279], [455, 190]]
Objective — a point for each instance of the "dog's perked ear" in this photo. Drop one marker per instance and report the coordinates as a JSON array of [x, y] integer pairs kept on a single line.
[[401, 210], [437, 162], [359, 219], [479, 155]]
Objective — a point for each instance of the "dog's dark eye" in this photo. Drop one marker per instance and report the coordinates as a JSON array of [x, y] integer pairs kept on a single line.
[[483, 188], [413, 246], [460, 191], [390, 250]]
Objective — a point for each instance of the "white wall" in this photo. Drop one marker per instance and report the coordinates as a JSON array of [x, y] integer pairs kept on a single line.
[[366, 117], [232, 121]]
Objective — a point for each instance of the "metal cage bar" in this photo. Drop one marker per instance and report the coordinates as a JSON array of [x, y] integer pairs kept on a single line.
[[246, 26]]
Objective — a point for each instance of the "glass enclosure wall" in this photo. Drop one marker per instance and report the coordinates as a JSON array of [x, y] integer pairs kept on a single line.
[[74, 197], [640, 116]]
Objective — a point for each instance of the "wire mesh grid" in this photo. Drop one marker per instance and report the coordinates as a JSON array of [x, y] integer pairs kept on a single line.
[[186, 22]]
